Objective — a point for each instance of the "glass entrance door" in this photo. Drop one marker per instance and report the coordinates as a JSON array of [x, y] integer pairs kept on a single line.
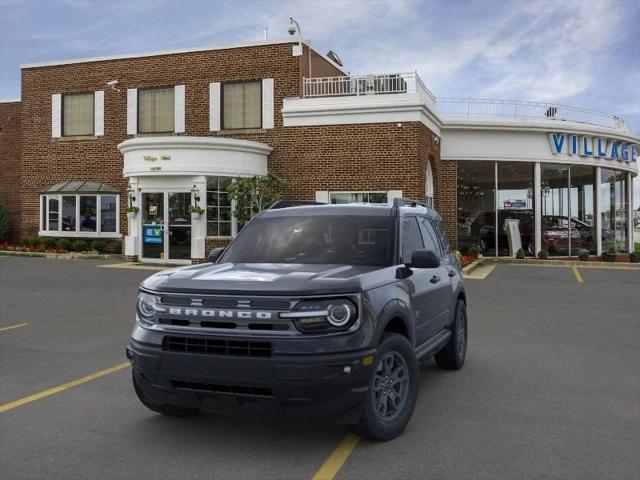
[[179, 226], [166, 226]]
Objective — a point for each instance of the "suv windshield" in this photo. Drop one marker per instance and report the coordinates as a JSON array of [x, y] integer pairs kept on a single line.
[[346, 240]]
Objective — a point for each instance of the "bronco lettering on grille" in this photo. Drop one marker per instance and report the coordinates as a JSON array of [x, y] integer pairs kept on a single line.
[[211, 313]]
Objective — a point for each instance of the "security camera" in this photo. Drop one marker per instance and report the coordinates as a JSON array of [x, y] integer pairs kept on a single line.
[[112, 83], [292, 27]]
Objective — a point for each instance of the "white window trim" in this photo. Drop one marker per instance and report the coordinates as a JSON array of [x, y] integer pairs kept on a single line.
[[428, 185], [45, 232]]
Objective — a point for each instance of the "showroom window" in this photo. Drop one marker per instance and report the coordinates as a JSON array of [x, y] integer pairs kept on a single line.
[[219, 214], [78, 114], [79, 209], [614, 210], [357, 197], [516, 222], [156, 110], [476, 206], [242, 105]]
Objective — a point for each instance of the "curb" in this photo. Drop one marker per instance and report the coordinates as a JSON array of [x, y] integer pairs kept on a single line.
[[563, 263], [64, 256]]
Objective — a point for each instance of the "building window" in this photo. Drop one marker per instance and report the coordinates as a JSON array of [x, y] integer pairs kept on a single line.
[[357, 197], [74, 215], [515, 204], [476, 206], [614, 210], [428, 187], [242, 105], [219, 218], [78, 114], [156, 110]]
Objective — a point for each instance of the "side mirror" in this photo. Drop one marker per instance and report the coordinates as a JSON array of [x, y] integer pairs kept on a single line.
[[215, 254], [425, 259]]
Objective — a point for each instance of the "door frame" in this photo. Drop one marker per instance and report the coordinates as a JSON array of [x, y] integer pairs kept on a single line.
[[165, 225]]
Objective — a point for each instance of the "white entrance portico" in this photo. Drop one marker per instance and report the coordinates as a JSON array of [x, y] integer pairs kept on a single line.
[[167, 174]]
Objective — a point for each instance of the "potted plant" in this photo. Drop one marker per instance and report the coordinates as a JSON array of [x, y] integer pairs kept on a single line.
[[131, 212], [195, 211], [610, 255]]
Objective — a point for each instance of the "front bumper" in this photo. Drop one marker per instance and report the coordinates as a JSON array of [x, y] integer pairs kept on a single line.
[[326, 385]]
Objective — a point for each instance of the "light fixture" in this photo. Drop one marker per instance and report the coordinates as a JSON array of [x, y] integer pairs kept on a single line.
[[132, 197], [195, 193], [294, 28]]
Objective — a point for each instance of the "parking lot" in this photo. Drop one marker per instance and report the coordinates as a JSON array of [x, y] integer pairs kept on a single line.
[[551, 388]]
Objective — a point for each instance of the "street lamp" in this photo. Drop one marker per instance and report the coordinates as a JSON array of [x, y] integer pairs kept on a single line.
[[293, 28]]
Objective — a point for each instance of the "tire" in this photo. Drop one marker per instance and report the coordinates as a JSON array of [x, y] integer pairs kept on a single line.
[[452, 356], [168, 410], [385, 415]]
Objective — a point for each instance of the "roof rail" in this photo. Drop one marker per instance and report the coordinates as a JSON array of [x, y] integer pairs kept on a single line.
[[293, 203], [408, 202]]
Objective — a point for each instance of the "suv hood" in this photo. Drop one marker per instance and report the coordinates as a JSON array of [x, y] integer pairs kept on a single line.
[[270, 279]]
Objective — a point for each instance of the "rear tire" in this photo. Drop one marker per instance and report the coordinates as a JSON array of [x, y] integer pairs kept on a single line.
[[168, 410], [452, 356], [393, 390]]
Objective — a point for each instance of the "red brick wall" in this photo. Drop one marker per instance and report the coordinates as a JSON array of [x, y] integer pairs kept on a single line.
[[10, 163]]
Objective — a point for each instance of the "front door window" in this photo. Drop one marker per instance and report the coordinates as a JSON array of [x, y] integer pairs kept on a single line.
[[166, 226], [153, 225]]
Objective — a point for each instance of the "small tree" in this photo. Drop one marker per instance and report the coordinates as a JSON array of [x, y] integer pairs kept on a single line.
[[4, 223], [253, 194]]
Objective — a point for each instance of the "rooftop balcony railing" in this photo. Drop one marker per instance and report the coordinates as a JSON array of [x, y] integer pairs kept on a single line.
[[477, 107], [356, 85], [402, 83]]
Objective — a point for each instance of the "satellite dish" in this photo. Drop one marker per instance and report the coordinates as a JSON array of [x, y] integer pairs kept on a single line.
[[334, 57]]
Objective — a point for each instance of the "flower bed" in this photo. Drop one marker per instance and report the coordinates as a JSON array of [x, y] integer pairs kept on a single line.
[[63, 245]]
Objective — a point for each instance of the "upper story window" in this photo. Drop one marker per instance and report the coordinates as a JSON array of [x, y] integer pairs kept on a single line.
[[78, 114], [242, 105], [358, 197], [156, 110]]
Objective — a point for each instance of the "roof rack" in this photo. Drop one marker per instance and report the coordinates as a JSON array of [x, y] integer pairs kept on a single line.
[[293, 203], [408, 202]]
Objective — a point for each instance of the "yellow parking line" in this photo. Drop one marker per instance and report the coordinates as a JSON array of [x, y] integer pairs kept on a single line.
[[334, 463], [11, 327], [46, 393], [577, 274]]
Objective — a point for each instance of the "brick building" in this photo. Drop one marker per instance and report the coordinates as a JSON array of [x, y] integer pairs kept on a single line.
[[162, 131]]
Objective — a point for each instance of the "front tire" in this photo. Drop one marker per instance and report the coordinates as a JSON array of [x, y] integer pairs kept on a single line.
[[168, 410], [393, 390], [452, 356]]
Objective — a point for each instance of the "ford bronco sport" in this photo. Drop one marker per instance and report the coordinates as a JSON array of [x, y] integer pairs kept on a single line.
[[312, 310]]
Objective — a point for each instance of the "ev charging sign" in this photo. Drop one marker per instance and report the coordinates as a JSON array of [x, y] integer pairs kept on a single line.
[[596, 147]]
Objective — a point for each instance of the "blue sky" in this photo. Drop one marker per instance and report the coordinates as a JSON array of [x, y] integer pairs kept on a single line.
[[578, 52]]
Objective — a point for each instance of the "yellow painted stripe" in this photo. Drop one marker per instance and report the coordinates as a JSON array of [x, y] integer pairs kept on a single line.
[[334, 463], [74, 383], [11, 327], [577, 274]]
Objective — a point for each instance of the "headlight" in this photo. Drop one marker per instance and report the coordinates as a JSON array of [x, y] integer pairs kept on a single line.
[[147, 306], [323, 315]]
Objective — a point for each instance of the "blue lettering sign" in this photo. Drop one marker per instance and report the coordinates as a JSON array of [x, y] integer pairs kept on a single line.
[[613, 154], [557, 142], [601, 150], [152, 235], [624, 152], [634, 153], [573, 146], [586, 148]]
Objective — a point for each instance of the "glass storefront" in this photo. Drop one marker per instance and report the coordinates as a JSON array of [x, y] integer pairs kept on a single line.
[[497, 208], [614, 210]]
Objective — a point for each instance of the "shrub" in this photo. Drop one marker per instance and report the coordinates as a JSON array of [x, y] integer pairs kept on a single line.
[[98, 246], [115, 246], [543, 254], [474, 251], [4, 223], [634, 257], [583, 255], [27, 242], [80, 246], [520, 253], [50, 243], [65, 244]]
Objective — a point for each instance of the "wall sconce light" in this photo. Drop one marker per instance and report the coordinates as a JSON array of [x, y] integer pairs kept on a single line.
[[132, 197], [195, 193]]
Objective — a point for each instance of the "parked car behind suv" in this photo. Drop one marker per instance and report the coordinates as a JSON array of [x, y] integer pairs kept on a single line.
[[312, 310]]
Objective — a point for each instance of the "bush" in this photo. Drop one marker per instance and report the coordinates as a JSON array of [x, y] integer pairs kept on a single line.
[[474, 251], [115, 246], [520, 253], [543, 254], [98, 246], [634, 257], [50, 243], [27, 242], [4, 223], [583, 255], [611, 249], [80, 246], [65, 244]]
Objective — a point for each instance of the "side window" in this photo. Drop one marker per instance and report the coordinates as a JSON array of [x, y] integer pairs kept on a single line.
[[444, 238], [411, 238], [430, 237]]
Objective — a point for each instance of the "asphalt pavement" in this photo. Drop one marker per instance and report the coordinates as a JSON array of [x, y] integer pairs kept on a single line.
[[550, 389]]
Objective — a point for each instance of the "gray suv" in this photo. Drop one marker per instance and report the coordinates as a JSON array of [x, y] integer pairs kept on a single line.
[[311, 310]]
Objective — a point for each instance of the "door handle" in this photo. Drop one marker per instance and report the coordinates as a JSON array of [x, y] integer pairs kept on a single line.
[[435, 279]]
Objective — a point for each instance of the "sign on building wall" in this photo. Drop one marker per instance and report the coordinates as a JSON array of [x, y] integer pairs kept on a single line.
[[590, 146]]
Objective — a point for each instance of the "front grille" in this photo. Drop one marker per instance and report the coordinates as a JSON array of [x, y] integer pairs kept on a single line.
[[229, 389], [217, 346]]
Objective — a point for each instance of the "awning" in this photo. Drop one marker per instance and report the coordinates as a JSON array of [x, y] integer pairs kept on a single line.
[[80, 186]]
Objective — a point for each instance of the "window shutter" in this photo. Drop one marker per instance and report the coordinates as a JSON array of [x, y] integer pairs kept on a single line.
[[267, 103], [132, 111], [178, 111], [214, 106], [322, 196], [98, 112], [56, 115], [391, 194]]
